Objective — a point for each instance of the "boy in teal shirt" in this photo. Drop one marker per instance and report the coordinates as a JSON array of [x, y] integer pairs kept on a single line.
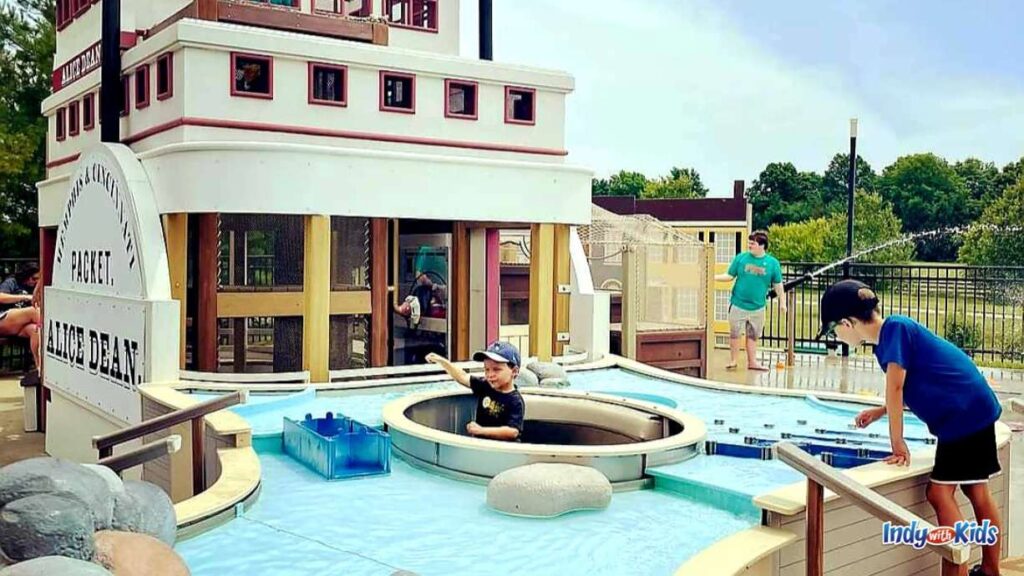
[[756, 272]]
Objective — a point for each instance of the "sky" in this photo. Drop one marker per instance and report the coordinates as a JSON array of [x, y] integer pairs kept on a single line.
[[727, 86]]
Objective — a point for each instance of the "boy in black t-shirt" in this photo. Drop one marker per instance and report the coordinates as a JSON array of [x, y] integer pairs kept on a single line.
[[499, 408]]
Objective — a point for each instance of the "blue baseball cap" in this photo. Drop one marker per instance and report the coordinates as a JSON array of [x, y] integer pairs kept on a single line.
[[499, 352]]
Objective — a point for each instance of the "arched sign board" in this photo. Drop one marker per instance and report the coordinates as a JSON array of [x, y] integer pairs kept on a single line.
[[109, 324]]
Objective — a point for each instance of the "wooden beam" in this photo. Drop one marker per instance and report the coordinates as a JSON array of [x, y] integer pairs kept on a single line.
[[189, 11], [815, 522], [561, 278], [207, 9], [542, 250], [316, 322], [459, 294], [379, 307], [176, 239], [349, 302], [253, 304], [293, 20], [381, 33], [105, 443], [142, 454], [207, 272]]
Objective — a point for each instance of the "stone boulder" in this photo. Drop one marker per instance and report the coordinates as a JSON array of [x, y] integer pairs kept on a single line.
[[129, 554], [144, 508], [554, 383], [55, 566], [526, 379], [113, 481], [55, 476], [46, 525], [548, 490], [545, 370]]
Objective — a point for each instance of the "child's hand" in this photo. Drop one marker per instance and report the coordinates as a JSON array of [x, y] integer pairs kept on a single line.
[[474, 429], [869, 416], [433, 358], [900, 454]]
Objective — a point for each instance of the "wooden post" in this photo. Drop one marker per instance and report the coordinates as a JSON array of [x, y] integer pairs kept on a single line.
[[207, 277], [316, 322], [815, 519], [176, 238], [380, 308], [562, 278], [709, 300], [630, 312], [949, 569], [542, 240], [458, 297], [208, 9], [198, 455], [791, 328]]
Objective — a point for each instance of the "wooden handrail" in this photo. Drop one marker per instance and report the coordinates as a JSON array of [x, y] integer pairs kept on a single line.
[[106, 442], [193, 414], [143, 454], [820, 475]]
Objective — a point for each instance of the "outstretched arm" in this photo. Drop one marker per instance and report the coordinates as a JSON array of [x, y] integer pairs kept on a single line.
[[457, 374], [895, 375]]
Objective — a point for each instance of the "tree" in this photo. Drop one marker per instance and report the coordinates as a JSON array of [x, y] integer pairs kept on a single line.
[[799, 241], [781, 195], [926, 194], [998, 240], [1010, 175], [27, 45], [699, 190], [624, 183], [680, 184], [982, 181], [874, 224], [834, 181]]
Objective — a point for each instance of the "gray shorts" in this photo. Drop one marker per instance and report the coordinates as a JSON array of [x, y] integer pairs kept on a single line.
[[750, 322]]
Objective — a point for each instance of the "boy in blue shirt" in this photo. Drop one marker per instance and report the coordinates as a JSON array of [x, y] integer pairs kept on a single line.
[[942, 386]]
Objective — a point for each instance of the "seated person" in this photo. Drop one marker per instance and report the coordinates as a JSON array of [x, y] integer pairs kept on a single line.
[[500, 409], [18, 315]]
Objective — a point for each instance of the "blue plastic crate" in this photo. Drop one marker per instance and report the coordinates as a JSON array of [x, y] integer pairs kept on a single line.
[[338, 448]]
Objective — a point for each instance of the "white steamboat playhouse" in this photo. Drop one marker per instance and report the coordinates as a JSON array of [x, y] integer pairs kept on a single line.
[[311, 166]]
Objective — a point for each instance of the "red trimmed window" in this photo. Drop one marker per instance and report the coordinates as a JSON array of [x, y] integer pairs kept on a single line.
[[80, 6], [354, 8], [142, 87], [418, 14], [252, 76], [328, 84], [460, 99], [61, 124], [126, 95], [397, 92], [73, 127], [520, 105], [165, 76], [88, 112]]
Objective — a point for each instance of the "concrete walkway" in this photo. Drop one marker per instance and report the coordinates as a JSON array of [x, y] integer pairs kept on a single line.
[[15, 443]]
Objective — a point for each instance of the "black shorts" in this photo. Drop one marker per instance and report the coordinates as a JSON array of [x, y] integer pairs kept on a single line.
[[969, 460]]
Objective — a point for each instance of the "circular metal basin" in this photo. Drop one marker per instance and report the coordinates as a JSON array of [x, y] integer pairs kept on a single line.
[[619, 436]]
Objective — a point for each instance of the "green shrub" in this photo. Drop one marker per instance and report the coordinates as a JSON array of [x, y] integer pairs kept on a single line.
[[963, 334]]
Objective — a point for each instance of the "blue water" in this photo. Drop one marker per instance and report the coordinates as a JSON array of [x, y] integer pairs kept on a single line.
[[412, 520]]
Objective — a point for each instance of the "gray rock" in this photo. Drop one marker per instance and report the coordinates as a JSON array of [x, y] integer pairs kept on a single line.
[[548, 489], [57, 476], [54, 566], [554, 383], [545, 370], [46, 525], [526, 379], [113, 481], [146, 509]]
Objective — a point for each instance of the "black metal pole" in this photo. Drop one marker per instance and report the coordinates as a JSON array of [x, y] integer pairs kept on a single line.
[[486, 31], [851, 186], [111, 94]]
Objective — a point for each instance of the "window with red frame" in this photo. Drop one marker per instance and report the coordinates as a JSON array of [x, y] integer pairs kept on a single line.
[[88, 112], [461, 99], [126, 95], [328, 84], [252, 75], [397, 92], [520, 105], [61, 119], [73, 128], [80, 6], [165, 76], [142, 87], [421, 14]]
